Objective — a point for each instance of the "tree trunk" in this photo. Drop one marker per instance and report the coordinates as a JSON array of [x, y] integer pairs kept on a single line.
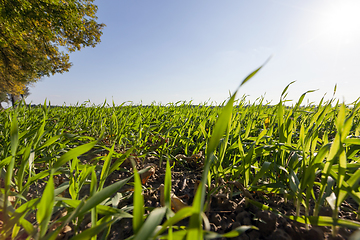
[[23, 98], [14, 98]]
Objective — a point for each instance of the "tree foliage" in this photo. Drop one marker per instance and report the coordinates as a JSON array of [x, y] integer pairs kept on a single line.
[[37, 35]]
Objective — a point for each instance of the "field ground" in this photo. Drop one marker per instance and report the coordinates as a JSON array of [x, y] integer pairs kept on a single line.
[[68, 173]]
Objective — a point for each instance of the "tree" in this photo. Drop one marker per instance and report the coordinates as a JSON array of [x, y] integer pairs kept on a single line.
[[7, 97], [12, 93], [31, 32], [21, 96]]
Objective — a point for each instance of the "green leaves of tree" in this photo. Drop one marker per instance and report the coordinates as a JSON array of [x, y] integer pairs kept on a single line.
[[32, 31]]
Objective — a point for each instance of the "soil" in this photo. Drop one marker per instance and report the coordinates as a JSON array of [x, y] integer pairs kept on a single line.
[[227, 210]]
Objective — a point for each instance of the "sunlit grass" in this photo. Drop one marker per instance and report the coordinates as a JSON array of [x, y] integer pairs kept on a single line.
[[307, 154]]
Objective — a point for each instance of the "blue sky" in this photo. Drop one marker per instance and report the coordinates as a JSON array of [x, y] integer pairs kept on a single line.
[[167, 51]]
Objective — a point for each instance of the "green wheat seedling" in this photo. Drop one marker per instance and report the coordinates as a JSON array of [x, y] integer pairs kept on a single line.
[[307, 154]]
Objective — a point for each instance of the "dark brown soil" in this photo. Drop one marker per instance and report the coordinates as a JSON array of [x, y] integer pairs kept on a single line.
[[228, 208]]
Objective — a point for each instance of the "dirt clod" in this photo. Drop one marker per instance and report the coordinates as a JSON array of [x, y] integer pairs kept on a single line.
[[266, 222], [279, 234]]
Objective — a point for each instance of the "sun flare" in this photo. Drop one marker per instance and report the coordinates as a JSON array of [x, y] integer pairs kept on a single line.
[[341, 21]]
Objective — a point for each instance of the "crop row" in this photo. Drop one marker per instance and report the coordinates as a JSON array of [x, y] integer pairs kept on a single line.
[[307, 154]]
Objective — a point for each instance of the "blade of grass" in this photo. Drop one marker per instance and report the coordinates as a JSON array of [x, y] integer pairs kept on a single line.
[[94, 231], [45, 206], [105, 193], [222, 123], [106, 167], [73, 153], [52, 235], [180, 215], [93, 188], [153, 220], [14, 141], [234, 233], [167, 189], [138, 212]]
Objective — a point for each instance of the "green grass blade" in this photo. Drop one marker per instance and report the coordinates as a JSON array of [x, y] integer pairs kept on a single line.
[[180, 215], [61, 188], [93, 186], [346, 127], [326, 221], [342, 168], [348, 186], [14, 135], [73, 153], [14, 141], [247, 165], [301, 99], [253, 73], [294, 182], [52, 235], [264, 168], [222, 123], [101, 209], [38, 176], [100, 196], [340, 118], [5, 161], [167, 186], [138, 212], [152, 221], [18, 216], [234, 233], [119, 161], [45, 206], [181, 234], [352, 141], [314, 220], [285, 89], [106, 167], [94, 231], [48, 142]]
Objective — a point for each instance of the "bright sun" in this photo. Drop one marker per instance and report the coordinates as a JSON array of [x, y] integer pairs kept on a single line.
[[341, 20]]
